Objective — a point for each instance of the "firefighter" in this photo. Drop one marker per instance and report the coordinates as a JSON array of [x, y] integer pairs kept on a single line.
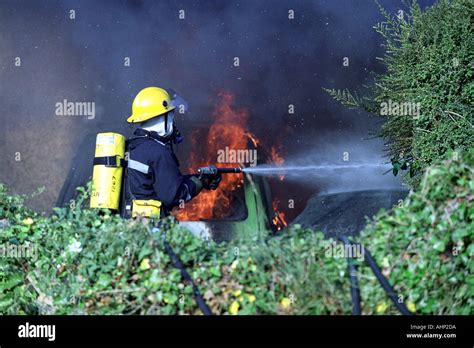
[[153, 182]]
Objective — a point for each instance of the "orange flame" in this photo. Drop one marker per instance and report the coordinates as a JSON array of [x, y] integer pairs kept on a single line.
[[227, 130], [276, 158], [279, 219]]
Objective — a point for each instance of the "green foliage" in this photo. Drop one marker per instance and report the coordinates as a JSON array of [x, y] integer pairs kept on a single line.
[[428, 60], [425, 245], [348, 98], [92, 262]]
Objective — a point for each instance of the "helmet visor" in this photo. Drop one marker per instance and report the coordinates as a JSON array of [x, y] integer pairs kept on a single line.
[[178, 101]]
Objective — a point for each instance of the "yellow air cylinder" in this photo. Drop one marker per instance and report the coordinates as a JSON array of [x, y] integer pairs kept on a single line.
[[108, 171]]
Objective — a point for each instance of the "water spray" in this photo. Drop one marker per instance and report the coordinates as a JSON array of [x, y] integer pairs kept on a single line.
[[293, 169], [306, 169]]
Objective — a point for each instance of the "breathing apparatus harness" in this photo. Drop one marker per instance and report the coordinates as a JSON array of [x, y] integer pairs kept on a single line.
[[130, 205], [112, 162]]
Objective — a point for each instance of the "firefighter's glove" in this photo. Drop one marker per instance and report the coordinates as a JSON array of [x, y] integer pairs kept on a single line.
[[210, 181]]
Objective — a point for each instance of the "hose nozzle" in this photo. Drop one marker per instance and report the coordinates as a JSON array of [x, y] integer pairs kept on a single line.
[[212, 170]]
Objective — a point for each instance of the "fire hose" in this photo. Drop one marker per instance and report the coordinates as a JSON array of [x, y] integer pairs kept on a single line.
[[175, 260], [355, 294], [177, 263]]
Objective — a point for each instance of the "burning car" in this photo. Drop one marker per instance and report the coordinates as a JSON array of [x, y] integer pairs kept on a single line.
[[242, 205]]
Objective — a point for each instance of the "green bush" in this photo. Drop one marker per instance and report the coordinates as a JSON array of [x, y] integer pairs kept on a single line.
[[425, 245], [90, 262], [428, 60]]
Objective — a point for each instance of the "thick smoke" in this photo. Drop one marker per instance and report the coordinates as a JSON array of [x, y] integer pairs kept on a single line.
[[281, 62]]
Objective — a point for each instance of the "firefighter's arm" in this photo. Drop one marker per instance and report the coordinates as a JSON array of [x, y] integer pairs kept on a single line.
[[170, 186]]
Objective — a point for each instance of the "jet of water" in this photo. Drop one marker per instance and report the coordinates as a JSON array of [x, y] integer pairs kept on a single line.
[[305, 170]]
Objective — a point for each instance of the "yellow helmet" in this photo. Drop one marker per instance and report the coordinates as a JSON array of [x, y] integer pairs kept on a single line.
[[150, 102]]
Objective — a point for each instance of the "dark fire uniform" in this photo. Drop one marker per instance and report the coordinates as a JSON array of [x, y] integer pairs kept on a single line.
[[153, 173]]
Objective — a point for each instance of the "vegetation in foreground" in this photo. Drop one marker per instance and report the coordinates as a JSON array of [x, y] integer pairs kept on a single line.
[[81, 261], [84, 261]]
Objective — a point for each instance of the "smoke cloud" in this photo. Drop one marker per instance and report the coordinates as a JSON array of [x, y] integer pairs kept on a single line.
[[112, 49]]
